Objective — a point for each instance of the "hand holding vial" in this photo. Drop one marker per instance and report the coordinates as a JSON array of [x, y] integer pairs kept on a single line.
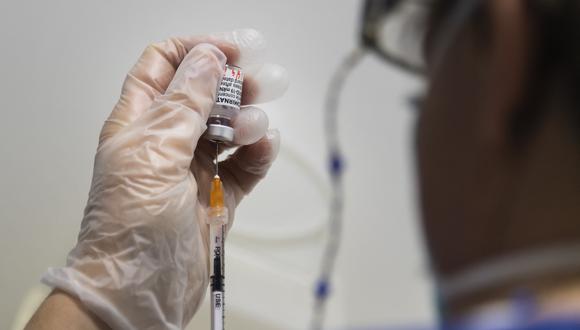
[[141, 260]]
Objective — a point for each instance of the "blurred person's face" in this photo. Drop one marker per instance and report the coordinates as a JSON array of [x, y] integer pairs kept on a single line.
[[464, 154]]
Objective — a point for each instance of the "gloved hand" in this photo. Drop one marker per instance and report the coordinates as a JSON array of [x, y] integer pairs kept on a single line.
[[141, 260]]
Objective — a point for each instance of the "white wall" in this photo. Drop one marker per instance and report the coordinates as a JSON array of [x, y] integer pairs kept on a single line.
[[61, 67]]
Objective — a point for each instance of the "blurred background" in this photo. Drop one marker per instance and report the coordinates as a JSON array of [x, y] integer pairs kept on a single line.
[[63, 63]]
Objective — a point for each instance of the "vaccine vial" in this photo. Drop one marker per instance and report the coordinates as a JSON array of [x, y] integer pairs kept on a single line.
[[227, 105]]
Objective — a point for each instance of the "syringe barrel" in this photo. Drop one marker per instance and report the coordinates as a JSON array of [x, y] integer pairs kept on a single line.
[[217, 312], [216, 265], [217, 235]]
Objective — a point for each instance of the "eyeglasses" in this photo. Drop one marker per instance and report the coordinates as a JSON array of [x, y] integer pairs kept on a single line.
[[396, 30]]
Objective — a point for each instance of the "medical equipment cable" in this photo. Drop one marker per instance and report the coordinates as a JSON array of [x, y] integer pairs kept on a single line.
[[335, 168]]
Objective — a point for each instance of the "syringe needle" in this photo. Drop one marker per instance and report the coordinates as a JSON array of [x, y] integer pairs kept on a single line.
[[217, 152]]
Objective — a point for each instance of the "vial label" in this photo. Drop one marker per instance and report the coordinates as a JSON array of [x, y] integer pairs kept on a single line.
[[230, 91]]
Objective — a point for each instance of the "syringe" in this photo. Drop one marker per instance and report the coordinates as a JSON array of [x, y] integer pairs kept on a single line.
[[217, 221]]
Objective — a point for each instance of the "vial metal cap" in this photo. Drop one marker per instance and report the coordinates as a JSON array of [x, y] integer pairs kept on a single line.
[[220, 133]]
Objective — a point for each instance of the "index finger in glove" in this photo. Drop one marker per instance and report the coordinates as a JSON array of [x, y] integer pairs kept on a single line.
[[176, 120], [155, 69]]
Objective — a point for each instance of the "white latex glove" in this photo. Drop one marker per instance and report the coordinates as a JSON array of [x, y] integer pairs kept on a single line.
[[141, 261]]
